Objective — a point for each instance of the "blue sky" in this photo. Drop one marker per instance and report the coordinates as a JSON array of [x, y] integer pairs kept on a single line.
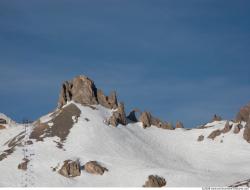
[[181, 60]]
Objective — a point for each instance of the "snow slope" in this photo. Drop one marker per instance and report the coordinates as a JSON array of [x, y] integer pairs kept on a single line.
[[131, 154]]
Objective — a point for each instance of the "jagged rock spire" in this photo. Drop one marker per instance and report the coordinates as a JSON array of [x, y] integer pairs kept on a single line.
[[83, 90]]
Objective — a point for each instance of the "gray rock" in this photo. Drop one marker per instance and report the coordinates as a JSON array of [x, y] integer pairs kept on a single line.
[[132, 115], [70, 169], [3, 121], [227, 127], [107, 101], [200, 138], [155, 181]]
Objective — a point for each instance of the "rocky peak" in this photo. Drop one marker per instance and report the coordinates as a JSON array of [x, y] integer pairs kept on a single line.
[[82, 90], [243, 114]]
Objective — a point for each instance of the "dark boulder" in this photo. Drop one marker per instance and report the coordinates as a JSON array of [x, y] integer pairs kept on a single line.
[[200, 138]]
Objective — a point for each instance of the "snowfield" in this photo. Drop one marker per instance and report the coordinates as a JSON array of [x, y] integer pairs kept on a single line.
[[130, 153]]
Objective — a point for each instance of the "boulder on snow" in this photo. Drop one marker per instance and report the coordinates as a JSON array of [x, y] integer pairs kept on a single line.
[[246, 133], [94, 167], [118, 117], [200, 138], [243, 114], [217, 118], [214, 134], [23, 165], [83, 91], [155, 181], [227, 127], [179, 125], [70, 169]]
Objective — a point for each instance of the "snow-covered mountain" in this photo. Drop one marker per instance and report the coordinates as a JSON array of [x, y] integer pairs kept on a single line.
[[88, 126]]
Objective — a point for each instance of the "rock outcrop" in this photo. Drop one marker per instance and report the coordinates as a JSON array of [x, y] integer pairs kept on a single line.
[[243, 114], [132, 115], [70, 169], [227, 127], [179, 125], [82, 90], [246, 133], [214, 134], [107, 101], [147, 120], [118, 117], [94, 167], [217, 118], [62, 121], [155, 181]]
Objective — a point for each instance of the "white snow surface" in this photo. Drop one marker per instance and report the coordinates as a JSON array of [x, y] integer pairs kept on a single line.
[[131, 154]]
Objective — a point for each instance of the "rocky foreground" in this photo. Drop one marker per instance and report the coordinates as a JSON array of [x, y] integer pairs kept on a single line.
[[89, 140]]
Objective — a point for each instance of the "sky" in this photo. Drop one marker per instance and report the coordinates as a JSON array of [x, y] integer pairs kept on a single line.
[[180, 60]]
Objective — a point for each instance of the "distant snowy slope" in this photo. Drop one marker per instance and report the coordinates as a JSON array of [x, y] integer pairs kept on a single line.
[[131, 153]]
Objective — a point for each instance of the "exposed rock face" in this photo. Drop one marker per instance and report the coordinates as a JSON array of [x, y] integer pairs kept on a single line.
[[132, 115], [155, 181], [200, 138], [179, 125], [108, 102], [62, 123], [147, 120], [70, 169], [227, 127], [216, 118], [243, 114], [94, 167], [237, 128], [214, 134], [246, 134], [3, 121], [83, 90], [118, 117], [23, 165]]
